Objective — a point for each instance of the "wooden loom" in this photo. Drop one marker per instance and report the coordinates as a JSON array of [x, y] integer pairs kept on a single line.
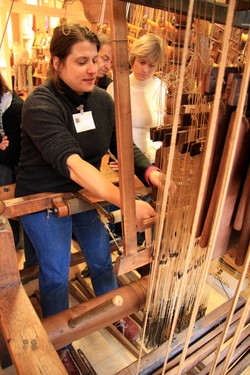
[[26, 338]]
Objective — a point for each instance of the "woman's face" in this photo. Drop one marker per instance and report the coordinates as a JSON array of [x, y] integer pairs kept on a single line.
[[143, 70], [80, 67]]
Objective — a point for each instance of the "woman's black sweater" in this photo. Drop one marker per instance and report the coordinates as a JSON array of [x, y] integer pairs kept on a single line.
[[49, 137]]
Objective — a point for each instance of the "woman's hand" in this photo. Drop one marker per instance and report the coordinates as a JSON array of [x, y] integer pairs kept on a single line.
[[154, 177], [4, 143], [143, 211]]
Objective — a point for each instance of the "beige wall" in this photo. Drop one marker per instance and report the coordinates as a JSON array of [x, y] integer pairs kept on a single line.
[[17, 24]]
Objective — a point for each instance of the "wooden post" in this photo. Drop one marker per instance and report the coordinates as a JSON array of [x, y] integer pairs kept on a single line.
[[123, 122], [9, 274], [28, 344]]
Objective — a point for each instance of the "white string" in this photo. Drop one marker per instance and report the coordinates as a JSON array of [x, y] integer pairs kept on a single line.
[[127, 10], [102, 12], [106, 225]]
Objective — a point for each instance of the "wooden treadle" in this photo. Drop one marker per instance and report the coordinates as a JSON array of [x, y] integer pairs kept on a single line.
[[82, 362]]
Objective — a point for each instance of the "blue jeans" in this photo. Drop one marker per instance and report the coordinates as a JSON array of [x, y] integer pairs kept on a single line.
[[51, 237]]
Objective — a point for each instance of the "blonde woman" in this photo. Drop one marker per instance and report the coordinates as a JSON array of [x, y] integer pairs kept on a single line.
[[146, 90]]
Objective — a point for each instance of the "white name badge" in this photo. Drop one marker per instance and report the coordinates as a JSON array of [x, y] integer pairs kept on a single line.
[[83, 121]]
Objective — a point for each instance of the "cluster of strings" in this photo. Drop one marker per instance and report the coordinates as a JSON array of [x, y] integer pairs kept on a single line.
[[196, 54], [179, 262], [176, 208]]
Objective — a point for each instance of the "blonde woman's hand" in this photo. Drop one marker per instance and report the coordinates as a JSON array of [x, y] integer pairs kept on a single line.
[[4, 143], [155, 177]]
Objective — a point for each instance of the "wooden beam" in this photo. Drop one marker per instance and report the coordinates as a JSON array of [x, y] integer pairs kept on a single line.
[[93, 11], [61, 334], [28, 344], [9, 274], [41, 10], [127, 263], [123, 123], [25, 338]]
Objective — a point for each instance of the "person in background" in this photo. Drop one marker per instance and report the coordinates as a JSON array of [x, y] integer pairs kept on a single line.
[[147, 92], [10, 121], [68, 124], [104, 62], [10, 144]]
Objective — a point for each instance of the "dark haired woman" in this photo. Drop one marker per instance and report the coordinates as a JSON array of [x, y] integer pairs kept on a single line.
[[67, 127]]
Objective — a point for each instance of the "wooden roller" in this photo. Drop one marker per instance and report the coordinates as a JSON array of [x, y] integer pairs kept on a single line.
[[92, 316], [146, 21], [177, 35], [166, 24]]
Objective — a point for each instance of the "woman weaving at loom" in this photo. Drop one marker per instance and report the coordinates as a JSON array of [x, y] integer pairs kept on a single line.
[[67, 127]]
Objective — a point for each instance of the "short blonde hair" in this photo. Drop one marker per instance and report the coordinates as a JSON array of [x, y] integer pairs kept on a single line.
[[149, 47]]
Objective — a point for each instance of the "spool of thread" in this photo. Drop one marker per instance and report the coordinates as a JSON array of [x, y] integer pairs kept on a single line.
[[116, 216]]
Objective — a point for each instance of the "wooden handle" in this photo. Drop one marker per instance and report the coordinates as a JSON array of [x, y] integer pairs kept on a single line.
[[106, 306], [148, 223], [233, 188], [213, 167], [244, 238], [245, 195]]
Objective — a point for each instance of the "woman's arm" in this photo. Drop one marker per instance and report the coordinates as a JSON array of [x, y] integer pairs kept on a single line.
[[90, 178], [87, 176]]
